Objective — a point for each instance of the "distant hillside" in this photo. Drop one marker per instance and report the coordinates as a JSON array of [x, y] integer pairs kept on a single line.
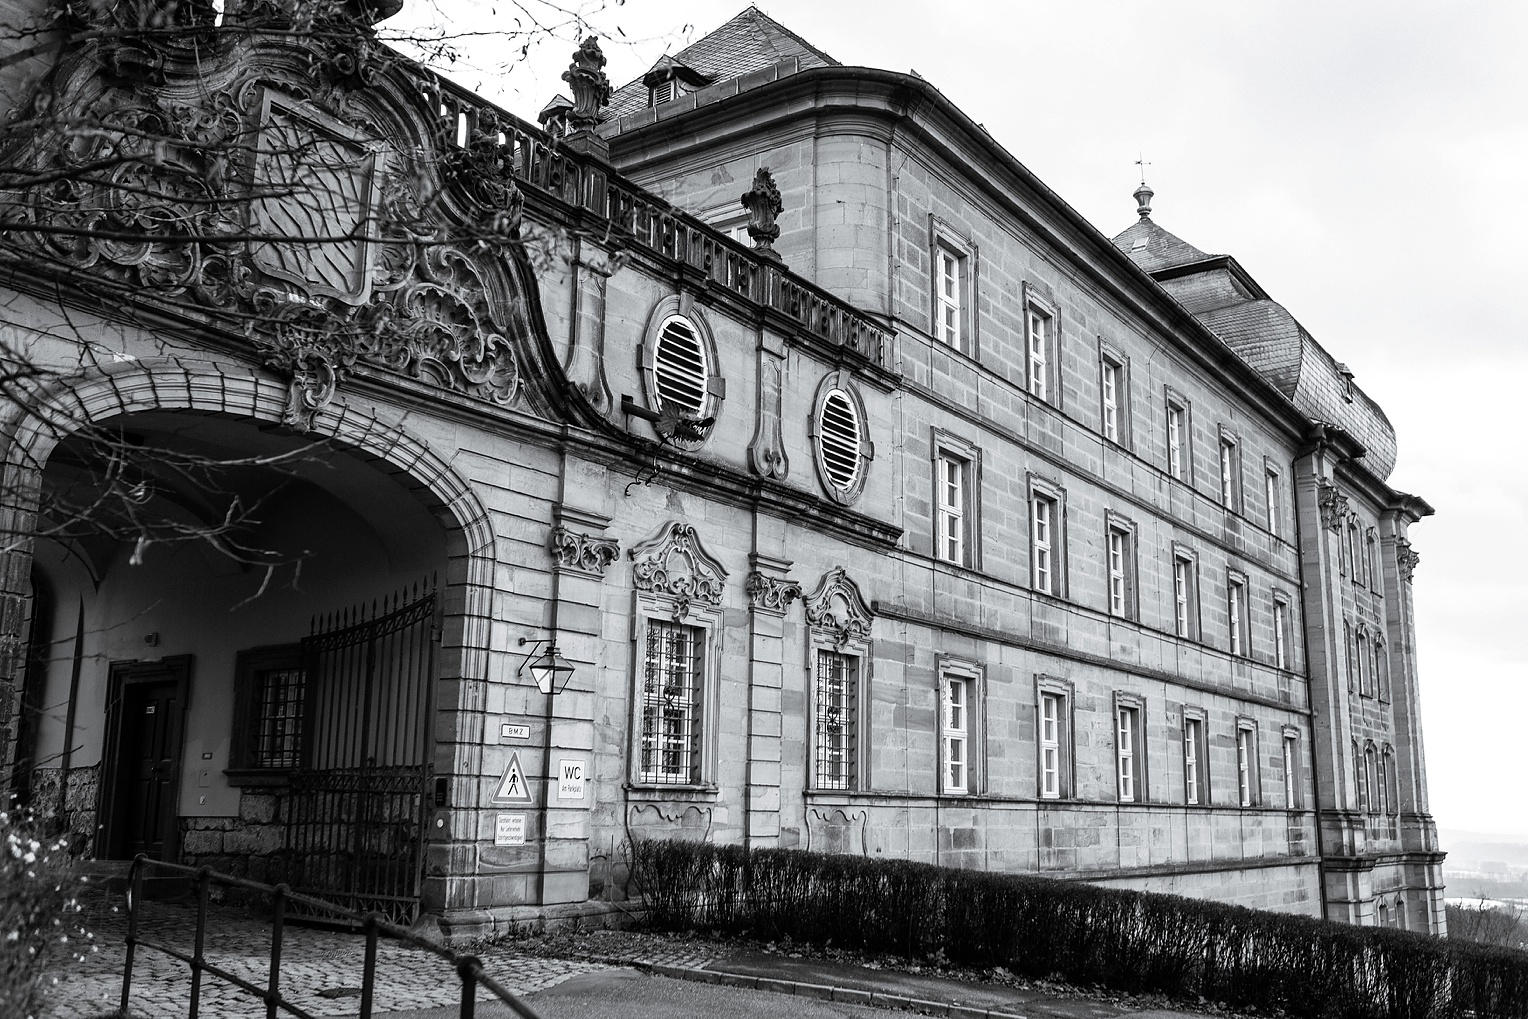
[[1471, 851]]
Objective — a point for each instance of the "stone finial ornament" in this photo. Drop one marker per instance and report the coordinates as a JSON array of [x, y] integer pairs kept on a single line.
[[591, 87], [763, 204]]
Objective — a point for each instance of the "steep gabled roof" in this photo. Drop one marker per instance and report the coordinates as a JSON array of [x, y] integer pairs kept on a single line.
[[749, 42]]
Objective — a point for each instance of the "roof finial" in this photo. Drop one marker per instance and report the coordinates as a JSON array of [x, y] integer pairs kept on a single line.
[[1143, 193]]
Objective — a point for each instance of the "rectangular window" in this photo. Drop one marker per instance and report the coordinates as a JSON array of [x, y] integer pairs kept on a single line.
[[1185, 612], [1042, 520], [1360, 663], [952, 509], [954, 734], [1228, 474], [1053, 726], [1196, 784], [1111, 380], [1039, 332], [835, 728], [1291, 771], [1271, 488], [270, 689], [1180, 436], [1347, 651], [1121, 572], [1381, 671], [1129, 755], [1175, 443], [1236, 610], [1280, 633], [1371, 562], [1246, 765], [1348, 555], [671, 703], [949, 321]]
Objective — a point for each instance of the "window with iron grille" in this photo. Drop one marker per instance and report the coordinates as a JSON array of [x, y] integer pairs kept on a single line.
[[834, 731], [269, 693], [673, 671], [279, 699]]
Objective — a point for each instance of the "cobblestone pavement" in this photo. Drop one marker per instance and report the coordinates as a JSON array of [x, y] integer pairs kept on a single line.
[[320, 970]]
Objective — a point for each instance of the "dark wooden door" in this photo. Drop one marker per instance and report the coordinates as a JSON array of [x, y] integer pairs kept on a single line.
[[147, 735], [150, 759]]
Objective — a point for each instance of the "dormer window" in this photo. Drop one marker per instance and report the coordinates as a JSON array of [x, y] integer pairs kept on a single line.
[[669, 79]]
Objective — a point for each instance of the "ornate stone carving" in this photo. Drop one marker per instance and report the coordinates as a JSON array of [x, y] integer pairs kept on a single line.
[[836, 606], [582, 552], [315, 246], [1405, 559], [591, 87], [763, 204], [772, 593], [766, 453], [675, 564], [1334, 506]]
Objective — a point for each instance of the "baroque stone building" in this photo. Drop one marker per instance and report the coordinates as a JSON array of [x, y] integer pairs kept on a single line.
[[864, 497]]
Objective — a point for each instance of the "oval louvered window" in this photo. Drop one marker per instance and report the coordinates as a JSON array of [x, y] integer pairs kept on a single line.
[[838, 432], [679, 367]]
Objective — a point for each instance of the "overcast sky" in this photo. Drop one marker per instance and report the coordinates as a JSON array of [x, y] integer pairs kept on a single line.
[[1366, 162]]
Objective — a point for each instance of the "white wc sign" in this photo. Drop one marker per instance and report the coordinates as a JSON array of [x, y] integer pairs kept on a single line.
[[570, 780]]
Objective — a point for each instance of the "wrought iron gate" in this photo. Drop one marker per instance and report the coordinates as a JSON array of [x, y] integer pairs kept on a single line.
[[356, 815]]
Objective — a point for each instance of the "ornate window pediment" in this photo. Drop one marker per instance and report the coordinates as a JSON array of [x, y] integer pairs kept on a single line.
[[838, 607], [674, 564]]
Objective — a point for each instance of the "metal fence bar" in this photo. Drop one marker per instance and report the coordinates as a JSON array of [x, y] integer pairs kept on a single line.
[[467, 967], [203, 883], [278, 925], [134, 896], [369, 970]]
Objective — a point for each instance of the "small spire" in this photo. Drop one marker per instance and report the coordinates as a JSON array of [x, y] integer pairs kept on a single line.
[[1143, 193]]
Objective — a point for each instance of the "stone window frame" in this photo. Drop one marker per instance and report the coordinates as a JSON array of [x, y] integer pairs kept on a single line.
[[1273, 494], [942, 236], [1240, 626], [1195, 628], [1037, 299], [648, 607], [1038, 486], [841, 381], [1283, 629], [974, 676], [1066, 764], [1139, 754], [1194, 713], [1115, 523], [1231, 488], [1253, 796], [682, 306], [948, 446], [1381, 669], [846, 631], [1294, 789], [1175, 400], [1112, 354]]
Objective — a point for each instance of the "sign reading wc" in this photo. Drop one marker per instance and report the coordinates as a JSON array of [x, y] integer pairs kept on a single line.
[[570, 779]]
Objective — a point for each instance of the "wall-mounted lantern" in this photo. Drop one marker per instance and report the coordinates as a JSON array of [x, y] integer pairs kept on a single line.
[[551, 671]]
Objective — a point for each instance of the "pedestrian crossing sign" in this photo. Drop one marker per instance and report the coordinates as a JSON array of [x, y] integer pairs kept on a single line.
[[512, 787]]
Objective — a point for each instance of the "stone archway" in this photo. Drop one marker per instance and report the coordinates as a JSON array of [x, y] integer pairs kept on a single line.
[[236, 393]]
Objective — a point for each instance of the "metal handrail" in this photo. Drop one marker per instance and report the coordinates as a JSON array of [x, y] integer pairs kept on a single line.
[[468, 967]]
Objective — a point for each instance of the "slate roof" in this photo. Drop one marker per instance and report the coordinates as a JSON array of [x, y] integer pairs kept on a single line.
[[1161, 249], [749, 42]]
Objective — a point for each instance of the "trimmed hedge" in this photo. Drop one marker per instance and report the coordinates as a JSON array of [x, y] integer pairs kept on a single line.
[[1037, 927]]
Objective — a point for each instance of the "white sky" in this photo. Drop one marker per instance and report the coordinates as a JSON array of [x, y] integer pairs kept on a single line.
[[1366, 162]]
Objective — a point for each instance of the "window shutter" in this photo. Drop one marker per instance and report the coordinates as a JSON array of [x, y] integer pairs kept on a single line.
[[679, 367]]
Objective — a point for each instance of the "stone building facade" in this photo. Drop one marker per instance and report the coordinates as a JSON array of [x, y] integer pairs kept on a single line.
[[891, 509]]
